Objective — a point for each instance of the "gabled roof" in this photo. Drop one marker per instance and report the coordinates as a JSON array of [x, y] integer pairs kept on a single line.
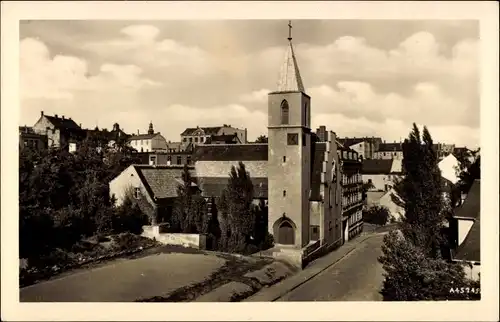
[[390, 147], [64, 124], [290, 80], [471, 207], [143, 136], [231, 152], [214, 130], [161, 181], [377, 166], [470, 249]]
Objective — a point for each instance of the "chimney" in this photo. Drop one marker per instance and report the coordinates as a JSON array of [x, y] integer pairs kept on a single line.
[[63, 117], [41, 113], [137, 131], [56, 115]]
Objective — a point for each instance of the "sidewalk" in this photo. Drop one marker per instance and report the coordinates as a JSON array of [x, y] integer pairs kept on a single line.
[[319, 265]]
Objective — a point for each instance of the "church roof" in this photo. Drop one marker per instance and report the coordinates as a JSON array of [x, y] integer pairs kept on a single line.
[[290, 80]]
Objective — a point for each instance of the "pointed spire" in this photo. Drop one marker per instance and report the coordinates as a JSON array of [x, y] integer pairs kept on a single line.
[[290, 80]]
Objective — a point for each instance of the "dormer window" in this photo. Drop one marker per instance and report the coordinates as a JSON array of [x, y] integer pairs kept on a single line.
[[284, 112]]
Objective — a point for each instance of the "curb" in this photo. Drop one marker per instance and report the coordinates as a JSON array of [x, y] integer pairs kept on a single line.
[[296, 285]]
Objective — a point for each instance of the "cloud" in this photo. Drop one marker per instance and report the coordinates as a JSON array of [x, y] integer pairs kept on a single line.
[[259, 96], [393, 130], [141, 45], [426, 104], [62, 76]]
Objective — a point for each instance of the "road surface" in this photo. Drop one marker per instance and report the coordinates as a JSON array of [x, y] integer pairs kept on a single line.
[[357, 277]]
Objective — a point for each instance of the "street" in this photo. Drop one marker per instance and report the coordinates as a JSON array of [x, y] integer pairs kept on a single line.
[[357, 277]]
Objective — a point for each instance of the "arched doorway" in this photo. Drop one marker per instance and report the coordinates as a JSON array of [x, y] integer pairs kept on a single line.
[[286, 233]]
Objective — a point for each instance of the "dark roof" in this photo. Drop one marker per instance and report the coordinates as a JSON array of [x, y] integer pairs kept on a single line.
[[65, 124], [376, 166], [208, 130], [213, 186], [472, 204], [470, 249], [320, 148], [143, 136], [231, 152], [26, 129], [390, 147], [161, 181], [227, 139]]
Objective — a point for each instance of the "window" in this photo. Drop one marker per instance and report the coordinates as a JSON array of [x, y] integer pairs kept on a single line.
[[152, 160], [179, 160], [169, 158], [304, 140], [284, 112], [137, 193], [284, 193], [196, 139], [202, 139], [292, 139], [284, 159], [190, 139], [189, 159], [184, 140]]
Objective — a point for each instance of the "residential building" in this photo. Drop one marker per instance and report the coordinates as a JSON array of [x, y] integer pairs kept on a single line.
[[364, 146], [153, 188], [443, 150], [389, 151], [465, 231], [352, 193], [152, 141], [200, 135], [381, 173], [224, 139], [112, 138], [61, 132], [29, 139], [166, 158]]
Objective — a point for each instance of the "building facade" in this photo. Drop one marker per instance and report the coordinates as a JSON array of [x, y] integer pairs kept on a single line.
[[352, 193], [148, 142], [365, 147], [29, 139], [389, 151], [61, 132], [202, 135]]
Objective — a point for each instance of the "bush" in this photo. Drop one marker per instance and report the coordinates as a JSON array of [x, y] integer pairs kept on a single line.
[[377, 215]]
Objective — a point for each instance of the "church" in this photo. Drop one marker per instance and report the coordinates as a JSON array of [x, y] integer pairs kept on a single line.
[[311, 183]]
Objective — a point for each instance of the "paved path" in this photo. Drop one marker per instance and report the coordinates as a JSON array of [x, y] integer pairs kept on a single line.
[[356, 277], [126, 279]]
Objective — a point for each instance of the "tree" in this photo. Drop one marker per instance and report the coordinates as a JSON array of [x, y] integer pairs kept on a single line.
[[377, 215], [261, 139], [412, 260], [237, 218], [421, 193], [189, 211], [410, 275]]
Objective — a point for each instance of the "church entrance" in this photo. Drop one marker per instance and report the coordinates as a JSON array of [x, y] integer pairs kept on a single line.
[[286, 234]]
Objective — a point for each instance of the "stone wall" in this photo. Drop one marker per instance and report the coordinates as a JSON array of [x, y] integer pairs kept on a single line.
[[197, 241]]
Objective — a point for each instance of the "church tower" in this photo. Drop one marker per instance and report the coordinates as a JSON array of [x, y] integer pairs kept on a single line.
[[289, 156], [151, 130]]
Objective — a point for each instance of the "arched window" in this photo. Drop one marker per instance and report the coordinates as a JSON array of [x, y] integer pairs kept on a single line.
[[284, 112]]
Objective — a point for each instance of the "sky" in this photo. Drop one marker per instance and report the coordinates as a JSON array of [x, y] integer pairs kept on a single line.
[[365, 77]]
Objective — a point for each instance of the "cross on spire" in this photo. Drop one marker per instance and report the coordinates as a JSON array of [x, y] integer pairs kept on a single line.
[[289, 30]]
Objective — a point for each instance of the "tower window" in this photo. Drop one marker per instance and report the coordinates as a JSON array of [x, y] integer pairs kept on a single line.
[[284, 112], [292, 139], [284, 193], [284, 159]]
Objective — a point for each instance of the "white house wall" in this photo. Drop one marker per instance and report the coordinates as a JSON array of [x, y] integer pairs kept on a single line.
[[125, 180]]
